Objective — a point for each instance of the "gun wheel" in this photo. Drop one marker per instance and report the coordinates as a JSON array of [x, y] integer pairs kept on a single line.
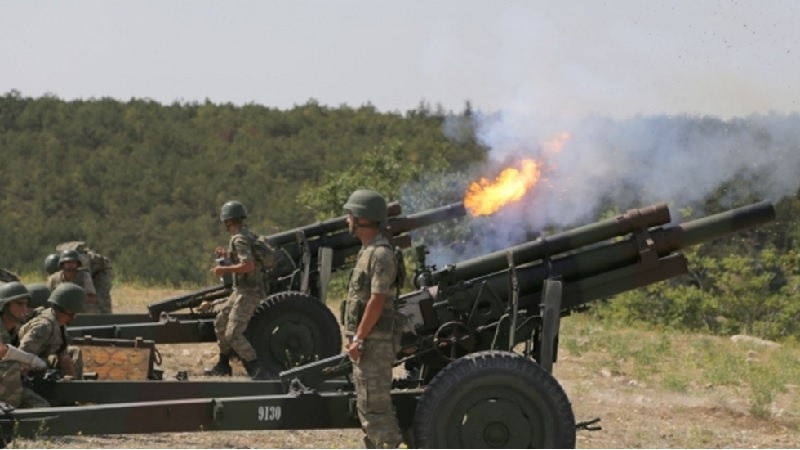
[[292, 328], [494, 399]]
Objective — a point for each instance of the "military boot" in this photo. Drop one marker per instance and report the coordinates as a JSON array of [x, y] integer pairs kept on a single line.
[[221, 368], [254, 370]]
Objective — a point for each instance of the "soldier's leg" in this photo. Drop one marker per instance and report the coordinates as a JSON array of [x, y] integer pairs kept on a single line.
[[31, 399], [221, 324], [222, 367], [102, 285], [241, 312], [372, 376], [10, 383]]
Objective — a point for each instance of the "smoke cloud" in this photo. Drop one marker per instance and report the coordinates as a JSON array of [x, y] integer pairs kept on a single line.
[[623, 164]]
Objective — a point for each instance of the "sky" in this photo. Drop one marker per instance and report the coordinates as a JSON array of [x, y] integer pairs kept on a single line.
[[559, 59]]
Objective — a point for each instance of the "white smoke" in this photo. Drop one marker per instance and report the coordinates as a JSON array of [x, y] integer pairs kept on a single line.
[[681, 160], [632, 163]]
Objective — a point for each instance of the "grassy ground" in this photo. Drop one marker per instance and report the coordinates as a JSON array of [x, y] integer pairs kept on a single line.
[[651, 390]]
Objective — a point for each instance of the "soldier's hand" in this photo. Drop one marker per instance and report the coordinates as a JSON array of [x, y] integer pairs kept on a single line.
[[354, 350], [205, 306], [220, 252], [27, 359]]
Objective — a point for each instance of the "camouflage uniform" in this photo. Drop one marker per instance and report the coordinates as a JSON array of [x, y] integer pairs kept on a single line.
[[248, 291], [99, 268], [83, 279], [375, 272], [45, 338], [11, 388]]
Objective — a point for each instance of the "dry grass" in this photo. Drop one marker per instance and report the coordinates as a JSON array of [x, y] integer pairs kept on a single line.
[[652, 390]]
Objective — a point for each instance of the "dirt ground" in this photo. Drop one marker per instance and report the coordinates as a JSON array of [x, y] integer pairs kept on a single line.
[[633, 414]]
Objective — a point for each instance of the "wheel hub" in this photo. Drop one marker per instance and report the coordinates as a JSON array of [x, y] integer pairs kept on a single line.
[[496, 423]]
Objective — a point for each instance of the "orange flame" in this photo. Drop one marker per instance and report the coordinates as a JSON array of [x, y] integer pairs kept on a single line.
[[485, 197]]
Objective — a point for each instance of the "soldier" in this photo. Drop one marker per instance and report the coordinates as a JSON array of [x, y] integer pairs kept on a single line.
[[369, 319], [13, 361], [99, 267], [70, 263], [248, 290], [45, 335]]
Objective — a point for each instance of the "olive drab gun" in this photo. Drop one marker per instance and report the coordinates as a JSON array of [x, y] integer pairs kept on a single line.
[[483, 341], [292, 325]]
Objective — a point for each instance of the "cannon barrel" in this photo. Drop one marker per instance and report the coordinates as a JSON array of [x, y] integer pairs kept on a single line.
[[623, 224], [659, 242], [322, 228], [345, 244]]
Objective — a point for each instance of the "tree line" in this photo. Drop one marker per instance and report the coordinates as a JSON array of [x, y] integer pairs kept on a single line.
[[142, 183]]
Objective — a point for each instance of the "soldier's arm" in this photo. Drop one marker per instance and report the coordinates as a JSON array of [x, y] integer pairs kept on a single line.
[[66, 364], [384, 271], [35, 336], [246, 262]]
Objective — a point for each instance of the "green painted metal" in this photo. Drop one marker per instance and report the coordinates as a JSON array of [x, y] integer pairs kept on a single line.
[[294, 411]]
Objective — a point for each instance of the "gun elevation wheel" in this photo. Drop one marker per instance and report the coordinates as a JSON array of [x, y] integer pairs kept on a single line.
[[290, 329], [494, 399]]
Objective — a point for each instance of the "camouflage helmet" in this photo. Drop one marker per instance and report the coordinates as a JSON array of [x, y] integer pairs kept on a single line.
[[12, 291], [367, 204], [51, 264], [232, 209], [69, 297], [69, 255], [40, 293]]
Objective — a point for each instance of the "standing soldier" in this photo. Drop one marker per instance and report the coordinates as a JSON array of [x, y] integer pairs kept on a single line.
[[369, 319], [45, 335], [248, 291], [13, 361], [70, 263]]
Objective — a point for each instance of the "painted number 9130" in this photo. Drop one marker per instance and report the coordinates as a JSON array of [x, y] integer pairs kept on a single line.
[[269, 413]]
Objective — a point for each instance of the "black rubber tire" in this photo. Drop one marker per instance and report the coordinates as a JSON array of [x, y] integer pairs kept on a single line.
[[292, 328], [494, 399]]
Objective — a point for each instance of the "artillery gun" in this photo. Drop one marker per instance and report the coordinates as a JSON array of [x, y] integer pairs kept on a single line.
[[292, 325], [483, 334]]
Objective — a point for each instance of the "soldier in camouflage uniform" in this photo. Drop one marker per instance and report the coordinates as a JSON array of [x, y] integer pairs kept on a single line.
[[45, 334], [248, 291], [71, 270], [99, 267], [369, 319], [13, 361]]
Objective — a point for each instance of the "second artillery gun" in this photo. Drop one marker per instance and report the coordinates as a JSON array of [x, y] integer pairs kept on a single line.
[[482, 336], [292, 325]]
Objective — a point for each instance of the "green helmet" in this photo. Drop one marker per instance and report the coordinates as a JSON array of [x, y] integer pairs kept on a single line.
[[232, 210], [51, 263], [13, 291], [69, 255], [367, 204], [39, 294], [69, 297]]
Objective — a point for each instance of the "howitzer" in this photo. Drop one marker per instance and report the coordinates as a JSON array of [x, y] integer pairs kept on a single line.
[[292, 325], [471, 317], [482, 337]]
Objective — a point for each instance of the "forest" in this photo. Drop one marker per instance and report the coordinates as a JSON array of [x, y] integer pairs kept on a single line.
[[142, 182]]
